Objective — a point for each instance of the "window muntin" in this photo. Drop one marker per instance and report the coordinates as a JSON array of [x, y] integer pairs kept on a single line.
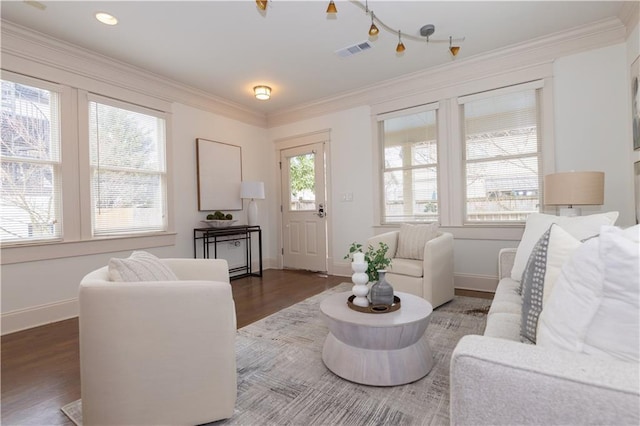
[[128, 171], [410, 167], [31, 202], [502, 157]]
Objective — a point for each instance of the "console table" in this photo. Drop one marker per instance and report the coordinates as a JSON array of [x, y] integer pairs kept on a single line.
[[214, 236]]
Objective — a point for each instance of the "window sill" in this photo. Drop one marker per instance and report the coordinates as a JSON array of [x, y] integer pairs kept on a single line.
[[57, 250]]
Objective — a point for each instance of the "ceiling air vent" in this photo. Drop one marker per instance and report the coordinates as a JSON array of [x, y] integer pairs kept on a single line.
[[354, 49]]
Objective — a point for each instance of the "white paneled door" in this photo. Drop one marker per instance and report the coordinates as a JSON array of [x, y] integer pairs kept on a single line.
[[304, 208]]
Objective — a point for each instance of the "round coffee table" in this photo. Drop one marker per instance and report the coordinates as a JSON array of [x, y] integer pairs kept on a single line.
[[377, 349]]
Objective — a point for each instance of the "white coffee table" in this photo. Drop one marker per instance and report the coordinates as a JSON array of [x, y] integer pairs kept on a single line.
[[377, 349]]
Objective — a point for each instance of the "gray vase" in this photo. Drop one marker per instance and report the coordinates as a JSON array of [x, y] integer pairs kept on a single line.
[[381, 291]]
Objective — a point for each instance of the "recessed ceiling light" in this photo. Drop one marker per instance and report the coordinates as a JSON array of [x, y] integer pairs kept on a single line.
[[106, 19]]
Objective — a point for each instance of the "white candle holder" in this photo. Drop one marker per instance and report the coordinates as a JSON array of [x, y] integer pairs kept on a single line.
[[360, 279]]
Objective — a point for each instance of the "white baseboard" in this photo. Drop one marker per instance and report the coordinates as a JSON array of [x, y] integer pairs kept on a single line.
[[484, 283], [38, 315]]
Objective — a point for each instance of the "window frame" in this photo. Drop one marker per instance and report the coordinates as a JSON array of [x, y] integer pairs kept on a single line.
[[58, 165], [450, 148], [77, 238], [380, 119], [537, 87], [162, 172]]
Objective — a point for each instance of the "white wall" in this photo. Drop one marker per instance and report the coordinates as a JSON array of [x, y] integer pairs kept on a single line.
[[593, 115], [351, 162], [592, 132]]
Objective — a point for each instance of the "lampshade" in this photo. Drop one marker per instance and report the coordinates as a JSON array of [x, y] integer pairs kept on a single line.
[[262, 92], [253, 190], [574, 188]]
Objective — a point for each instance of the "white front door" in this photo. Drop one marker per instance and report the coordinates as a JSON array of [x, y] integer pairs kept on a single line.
[[304, 207]]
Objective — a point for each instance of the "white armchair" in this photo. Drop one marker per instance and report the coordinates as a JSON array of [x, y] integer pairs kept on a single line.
[[158, 352], [431, 278]]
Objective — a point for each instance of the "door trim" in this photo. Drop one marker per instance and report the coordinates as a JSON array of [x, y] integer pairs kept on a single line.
[[320, 136]]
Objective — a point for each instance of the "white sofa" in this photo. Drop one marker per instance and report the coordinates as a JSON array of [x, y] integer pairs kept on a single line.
[[497, 380], [431, 278], [158, 352]]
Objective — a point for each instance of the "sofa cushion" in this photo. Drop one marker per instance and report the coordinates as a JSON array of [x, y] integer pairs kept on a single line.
[[507, 298], [580, 227], [410, 267], [412, 239], [595, 306], [560, 248], [503, 325], [140, 266]]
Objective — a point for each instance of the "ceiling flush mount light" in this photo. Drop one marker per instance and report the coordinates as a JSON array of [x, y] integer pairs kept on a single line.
[[262, 4], [262, 92], [332, 7], [106, 18]]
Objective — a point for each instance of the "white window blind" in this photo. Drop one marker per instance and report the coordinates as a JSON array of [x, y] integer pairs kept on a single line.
[[128, 168], [410, 166], [502, 155], [31, 164]]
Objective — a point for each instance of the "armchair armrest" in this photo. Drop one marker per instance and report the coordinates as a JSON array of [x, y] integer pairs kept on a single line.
[[496, 381], [506, 258], [437, 267], [389, 238]]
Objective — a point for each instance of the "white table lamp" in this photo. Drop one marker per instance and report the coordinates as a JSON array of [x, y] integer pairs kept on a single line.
[[573, 188], [253, 191]]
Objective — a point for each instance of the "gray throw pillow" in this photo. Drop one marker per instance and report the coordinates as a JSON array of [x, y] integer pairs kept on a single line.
[[532, 288]]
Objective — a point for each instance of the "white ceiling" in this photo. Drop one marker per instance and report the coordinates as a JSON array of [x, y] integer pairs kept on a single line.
[[226, 47]]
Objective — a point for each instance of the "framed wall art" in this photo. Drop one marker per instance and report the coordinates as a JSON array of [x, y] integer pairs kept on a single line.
[[219, 168]]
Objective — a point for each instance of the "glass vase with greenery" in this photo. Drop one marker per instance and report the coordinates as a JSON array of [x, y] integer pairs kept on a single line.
[[375, 257]]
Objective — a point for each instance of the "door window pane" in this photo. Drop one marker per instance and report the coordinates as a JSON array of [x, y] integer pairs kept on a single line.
[[302, 196]]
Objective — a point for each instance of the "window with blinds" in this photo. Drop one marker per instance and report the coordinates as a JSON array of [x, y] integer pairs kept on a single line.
[[410, 166], [30, 207], [128, 168], [502, 154]]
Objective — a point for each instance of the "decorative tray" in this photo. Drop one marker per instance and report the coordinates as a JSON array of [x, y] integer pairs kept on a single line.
[[219, 223], [375, 309]]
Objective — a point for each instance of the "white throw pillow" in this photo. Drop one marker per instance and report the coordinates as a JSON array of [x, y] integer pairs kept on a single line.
[[561, 246], [580, 227], [412, 239], [615, 329], [140, 266], [595, 305]]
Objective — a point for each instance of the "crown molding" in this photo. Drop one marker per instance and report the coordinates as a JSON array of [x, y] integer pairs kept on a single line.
[[533, 52], [630, 15], [27, 44]]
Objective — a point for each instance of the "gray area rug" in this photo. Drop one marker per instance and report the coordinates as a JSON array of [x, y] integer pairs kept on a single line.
[[283, 381]]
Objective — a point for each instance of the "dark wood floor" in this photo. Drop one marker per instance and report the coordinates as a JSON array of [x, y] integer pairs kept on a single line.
[[40, 366]]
